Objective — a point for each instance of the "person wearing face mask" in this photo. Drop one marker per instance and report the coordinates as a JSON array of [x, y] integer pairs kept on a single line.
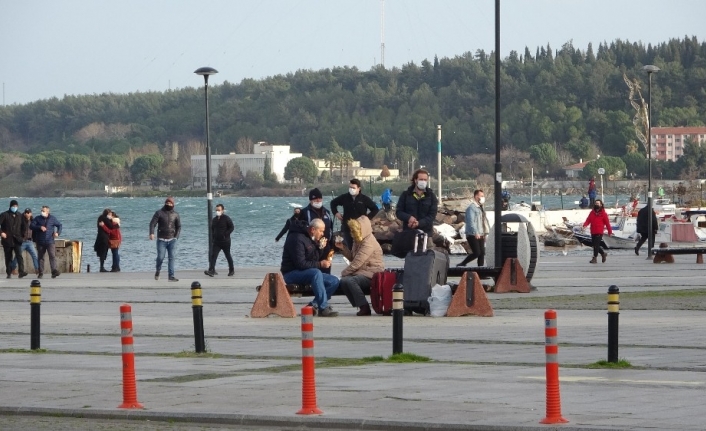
[[101, 245], [417, 206], [27, 241], [288, 223], [221, 228], [168, 225], [317, 210], [46, 227], [599, 221], [477, 229], [354, 204], [11, 234]]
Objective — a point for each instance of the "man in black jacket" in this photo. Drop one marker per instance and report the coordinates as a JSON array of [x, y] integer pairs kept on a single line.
[[355, 204], [221, 228], [642, 225], [417, 205], [317, 210], [11, 234], [168, 228], [302, 263]]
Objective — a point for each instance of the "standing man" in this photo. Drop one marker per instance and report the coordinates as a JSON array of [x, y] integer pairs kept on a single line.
[[27, 241], [168, 226], [317, 210], [477, 229], [592, 191], [417, 206], [355, 204], [221, 228], [642, 228], [46, 227], [11, 234]]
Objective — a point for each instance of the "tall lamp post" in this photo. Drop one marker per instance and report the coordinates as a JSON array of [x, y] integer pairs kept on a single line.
[[497, 210], [206, 72], [438, 156], [650, 69]]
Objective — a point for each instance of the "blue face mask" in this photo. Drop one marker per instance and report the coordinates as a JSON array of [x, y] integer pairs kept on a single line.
[[13, 209]]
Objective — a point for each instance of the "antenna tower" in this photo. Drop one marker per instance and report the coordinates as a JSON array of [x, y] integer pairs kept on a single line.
[[382, 33]]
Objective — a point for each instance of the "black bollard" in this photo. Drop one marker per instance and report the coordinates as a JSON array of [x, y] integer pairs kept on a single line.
[[613, 313], [88, 268], [397, 316], [35, 302], [197, 307]]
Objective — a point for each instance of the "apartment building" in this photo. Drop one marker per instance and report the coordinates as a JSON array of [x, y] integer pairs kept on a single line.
[[668, 142]]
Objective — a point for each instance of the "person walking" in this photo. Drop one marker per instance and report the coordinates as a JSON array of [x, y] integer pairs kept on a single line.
[[221, 228], [101, 245], [354, 204], [592, 191], [599, 221], [317, 210], [477, 229], [115, 238], [288, 223], [643, 227], [11, 234], [168, 225], [46, 228], [27, 242]]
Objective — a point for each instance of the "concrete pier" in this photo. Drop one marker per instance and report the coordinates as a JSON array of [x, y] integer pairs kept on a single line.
[[486, 373]]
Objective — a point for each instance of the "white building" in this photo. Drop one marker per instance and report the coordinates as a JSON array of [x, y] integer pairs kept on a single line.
[[278, 155]]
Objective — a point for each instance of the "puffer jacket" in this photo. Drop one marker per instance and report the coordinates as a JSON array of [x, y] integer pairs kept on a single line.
[[167, 222], [51, 223], [11, 226], [423, 208], [598, 221], [366, 256], [476, 220], [300, 252]]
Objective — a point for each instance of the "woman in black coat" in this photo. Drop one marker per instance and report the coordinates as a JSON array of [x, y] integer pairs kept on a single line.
[[101, 246]]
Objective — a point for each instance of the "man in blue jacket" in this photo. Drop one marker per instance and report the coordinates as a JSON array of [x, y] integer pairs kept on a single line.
[[46, 227], [302, 264]]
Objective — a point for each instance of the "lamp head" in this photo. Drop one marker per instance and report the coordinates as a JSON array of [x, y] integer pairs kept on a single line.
[[205, 72], [650, 68]]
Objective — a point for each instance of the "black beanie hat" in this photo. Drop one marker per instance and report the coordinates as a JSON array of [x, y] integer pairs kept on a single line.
[[13, 203], [315, 194]]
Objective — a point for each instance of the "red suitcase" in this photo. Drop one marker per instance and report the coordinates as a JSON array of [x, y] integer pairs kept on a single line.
[[381, 292]]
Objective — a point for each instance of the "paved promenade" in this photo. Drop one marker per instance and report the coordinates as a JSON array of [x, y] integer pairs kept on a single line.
[[486, 373]]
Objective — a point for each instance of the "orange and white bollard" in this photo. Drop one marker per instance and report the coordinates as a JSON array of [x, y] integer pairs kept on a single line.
[[308, 364], [129, 385], [551, 349]]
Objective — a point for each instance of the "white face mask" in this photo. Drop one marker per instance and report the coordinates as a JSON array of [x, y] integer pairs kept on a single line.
[[219, 213], [481, 200], [317, 205], [421, 185], [45, 214], [353, 191]]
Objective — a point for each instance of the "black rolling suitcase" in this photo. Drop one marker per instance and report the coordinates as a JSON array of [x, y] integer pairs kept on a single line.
[[422, 270]]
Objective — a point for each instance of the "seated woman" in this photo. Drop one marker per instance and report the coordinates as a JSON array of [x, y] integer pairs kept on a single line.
[[365, 260]]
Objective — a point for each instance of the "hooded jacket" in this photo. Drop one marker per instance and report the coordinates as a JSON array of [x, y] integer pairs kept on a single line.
[[422, 208], [598, 220], [11, 226], [366, 256], [300, 251]]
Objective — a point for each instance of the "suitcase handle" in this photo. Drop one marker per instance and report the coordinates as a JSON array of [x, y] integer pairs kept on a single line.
[[423, 236]]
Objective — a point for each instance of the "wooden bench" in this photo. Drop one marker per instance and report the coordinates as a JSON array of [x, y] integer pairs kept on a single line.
[[666, 253], [300, 290], [484, 272]]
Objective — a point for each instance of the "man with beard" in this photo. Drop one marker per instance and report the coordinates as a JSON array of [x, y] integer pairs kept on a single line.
[[168, 228]]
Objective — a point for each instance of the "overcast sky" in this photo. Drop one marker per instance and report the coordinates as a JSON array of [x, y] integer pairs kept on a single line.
[[52, 48]]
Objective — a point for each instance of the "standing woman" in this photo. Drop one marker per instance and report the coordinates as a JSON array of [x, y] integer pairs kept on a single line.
[[598, 219], [101, 245], [115, 238]]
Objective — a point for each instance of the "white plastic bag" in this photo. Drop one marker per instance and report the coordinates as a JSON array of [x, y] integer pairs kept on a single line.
[[439, 300]]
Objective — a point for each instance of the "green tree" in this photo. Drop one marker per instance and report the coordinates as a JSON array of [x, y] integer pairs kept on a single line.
[[545, 155], [147, 167], [301, 169], [613, 166]]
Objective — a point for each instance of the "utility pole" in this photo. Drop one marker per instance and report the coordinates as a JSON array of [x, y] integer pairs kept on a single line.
[[438, 156], [382, 33]]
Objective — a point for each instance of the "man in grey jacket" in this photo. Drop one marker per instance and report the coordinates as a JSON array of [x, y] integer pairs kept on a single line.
[[477, 229], [168, 228]]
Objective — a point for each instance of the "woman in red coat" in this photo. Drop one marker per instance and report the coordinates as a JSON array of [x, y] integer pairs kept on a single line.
[[598, 219]]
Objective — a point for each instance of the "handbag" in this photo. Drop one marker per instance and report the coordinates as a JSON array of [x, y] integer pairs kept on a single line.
[[114, 243]]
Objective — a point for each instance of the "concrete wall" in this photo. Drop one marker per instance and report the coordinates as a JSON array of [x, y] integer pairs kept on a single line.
[[68, 258]]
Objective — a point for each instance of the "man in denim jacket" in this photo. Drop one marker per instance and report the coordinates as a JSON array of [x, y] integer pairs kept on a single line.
[[477, 229]]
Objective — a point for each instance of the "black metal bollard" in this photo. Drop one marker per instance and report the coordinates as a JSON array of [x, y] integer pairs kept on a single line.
[[35, 302], [197, 308], [88, 268], [397, 316], [613, 313]]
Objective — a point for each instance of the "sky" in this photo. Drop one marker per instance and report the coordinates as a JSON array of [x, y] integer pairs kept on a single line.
[[52, 48]]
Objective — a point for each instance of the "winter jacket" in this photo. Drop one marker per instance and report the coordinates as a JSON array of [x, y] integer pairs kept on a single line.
[[27, 234], [11, 226], [300, 251], [51, 223], [286, 227], [354, 207], [221, 228], [422, 208], [643, 221], [386, 196], [113, 231], [309, 213], [366, 256], [476, 220], [598, 220], [167, 222]]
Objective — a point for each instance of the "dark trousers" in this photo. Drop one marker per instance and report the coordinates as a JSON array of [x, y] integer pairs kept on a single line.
[[17, 250], [216, 250], [477, 246], [643, 239], [356, 287], [593, 201], [596, 240], [51, 249]]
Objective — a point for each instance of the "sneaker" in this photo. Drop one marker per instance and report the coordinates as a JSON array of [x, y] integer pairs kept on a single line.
[[156, 275], [55, 273], [22, 274], [40, 275], [328, 312], [209, 273], [231, 273], [215, 272], [173, 279]]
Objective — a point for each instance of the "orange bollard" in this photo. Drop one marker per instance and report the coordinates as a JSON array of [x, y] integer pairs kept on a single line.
[[308, 380], [551, 349], [129, 385]]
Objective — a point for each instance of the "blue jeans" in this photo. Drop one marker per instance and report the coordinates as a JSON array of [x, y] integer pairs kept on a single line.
[[29, 246], [168, 247], [116, 257], [323, 284]]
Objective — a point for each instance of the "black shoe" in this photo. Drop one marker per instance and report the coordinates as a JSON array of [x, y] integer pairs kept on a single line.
[[103, 269], [22, 274], [173, 279], [156, 275], [114, 269], [55, 273], [637, 251], [209, 273], [231, 273], [9, 276], [364, 311], [40, 275], [215, 272]]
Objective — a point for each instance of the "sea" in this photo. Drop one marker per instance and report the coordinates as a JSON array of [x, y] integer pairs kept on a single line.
[[257, 222]]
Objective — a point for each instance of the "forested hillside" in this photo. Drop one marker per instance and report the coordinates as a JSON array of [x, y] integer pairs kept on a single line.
[[558, 105]]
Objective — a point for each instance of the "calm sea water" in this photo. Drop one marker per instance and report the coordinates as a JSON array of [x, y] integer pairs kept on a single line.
[[257, 221]]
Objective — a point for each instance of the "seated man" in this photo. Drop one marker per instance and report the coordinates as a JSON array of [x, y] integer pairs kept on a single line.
[[365, 261], [583, 203], [301, 264]]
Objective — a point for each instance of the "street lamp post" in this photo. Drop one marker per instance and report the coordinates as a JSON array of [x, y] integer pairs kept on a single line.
[[650, 69], [438, 157], [206, 72]]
